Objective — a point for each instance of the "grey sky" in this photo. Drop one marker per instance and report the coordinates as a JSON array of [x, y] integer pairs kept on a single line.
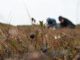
[[39, 9]]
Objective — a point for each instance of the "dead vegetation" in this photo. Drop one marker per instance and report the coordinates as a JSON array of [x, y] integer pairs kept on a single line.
[[47, 44]]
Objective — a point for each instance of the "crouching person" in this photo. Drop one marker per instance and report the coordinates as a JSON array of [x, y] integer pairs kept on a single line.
[[51, 23], [64, 22]]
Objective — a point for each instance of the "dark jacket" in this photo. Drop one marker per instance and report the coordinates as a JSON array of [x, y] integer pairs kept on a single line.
[[51, 22], [67, 23]]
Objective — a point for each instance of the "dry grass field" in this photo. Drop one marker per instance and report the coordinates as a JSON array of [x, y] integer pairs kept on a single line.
[[47, 44]]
